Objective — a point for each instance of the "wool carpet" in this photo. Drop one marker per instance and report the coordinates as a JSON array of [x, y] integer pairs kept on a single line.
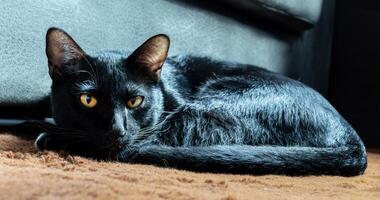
[[27, 173]]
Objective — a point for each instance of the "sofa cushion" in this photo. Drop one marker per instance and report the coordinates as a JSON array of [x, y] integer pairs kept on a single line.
[[100, 25], [294, 15]]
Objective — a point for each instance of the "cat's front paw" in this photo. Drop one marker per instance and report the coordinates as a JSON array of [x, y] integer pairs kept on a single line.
[[41, 141], [46, 141]]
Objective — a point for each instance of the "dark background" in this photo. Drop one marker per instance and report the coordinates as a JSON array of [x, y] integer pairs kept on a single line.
[[354, 87]]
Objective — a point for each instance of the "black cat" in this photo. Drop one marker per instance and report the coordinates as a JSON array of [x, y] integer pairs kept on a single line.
[[192, 113]]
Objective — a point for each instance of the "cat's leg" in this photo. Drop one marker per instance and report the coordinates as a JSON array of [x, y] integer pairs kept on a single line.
[[51, 141], [45, 141], [40, 141], [243, 159], [210, 139]]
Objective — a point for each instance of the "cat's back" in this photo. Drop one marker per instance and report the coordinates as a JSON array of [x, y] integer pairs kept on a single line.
[[205, 76], [201, 70]]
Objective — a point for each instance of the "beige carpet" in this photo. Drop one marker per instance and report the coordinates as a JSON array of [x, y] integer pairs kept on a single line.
[[26, 173]]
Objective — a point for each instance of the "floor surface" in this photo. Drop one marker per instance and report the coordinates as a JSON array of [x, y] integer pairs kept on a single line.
[[28, 174]]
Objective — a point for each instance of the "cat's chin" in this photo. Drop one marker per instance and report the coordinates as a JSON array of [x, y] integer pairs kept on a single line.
[[116, 146]]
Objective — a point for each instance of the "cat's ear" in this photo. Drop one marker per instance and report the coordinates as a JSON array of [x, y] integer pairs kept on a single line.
[[61, 51], [150, 56]]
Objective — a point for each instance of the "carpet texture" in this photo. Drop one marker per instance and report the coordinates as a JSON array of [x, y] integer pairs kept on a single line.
[[28, 174]]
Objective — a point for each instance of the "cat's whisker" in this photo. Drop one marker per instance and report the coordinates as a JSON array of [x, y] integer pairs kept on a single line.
[[51, 129], [146, 132], [59, 132], [106, 147], [154, 129], [52, 126]]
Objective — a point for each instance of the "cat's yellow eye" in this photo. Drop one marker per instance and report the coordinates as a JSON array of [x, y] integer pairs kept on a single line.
[[135, 102], [88, 101]]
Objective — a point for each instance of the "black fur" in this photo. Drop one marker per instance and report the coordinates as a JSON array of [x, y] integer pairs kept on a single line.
[[202, 115]]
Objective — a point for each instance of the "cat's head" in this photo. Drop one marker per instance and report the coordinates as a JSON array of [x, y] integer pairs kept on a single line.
[[105, 101]]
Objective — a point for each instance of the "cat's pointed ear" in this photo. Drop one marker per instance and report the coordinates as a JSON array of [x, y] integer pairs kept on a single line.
[[61, 50], [150, 56]]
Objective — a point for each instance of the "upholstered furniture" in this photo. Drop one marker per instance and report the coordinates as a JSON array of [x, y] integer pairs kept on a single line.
[[291, 37]]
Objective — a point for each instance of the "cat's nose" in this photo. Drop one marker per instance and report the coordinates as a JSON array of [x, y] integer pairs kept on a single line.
[[118, 133], [118, 122]]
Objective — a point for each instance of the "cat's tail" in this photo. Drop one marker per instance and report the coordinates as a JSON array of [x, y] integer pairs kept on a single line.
[[349, 160]]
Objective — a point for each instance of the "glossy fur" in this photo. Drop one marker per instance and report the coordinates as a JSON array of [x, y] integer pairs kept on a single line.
[[200, 115]]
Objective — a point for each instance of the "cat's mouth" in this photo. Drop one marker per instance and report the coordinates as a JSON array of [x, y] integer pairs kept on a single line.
[[115, 143]]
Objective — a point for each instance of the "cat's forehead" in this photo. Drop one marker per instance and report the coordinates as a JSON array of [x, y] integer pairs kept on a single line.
[[109, 70], [110, 57], [110, 64]]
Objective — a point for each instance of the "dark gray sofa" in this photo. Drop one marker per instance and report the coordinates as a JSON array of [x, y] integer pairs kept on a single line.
[[292, 37]]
